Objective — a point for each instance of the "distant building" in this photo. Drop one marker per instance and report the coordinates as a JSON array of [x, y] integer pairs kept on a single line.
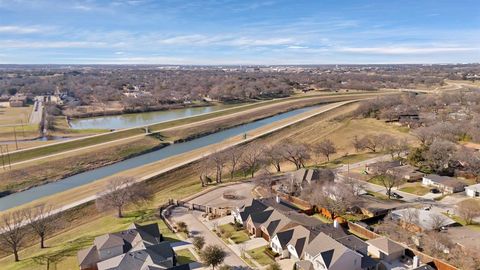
[[406, 172], [19, 100], [377, 167], [422, 220], [444, 183], [473, 190]]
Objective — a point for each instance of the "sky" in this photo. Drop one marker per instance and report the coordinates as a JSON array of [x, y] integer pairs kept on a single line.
[[220, 32]]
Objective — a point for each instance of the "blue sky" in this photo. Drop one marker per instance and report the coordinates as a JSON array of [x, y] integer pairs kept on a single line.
[[239, 32]]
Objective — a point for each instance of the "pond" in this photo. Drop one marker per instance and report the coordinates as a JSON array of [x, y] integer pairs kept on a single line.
[[140, 119]]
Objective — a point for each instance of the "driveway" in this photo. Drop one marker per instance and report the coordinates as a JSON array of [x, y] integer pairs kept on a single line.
[[196, 227], [215, 198]]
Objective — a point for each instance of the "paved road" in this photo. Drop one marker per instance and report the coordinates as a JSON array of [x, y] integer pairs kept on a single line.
[[191, 218], [37, 111]]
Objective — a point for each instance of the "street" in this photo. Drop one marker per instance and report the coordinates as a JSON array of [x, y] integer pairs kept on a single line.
[[196, 227]]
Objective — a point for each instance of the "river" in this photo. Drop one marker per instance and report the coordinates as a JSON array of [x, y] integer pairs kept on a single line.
[[131, 120], [35, 193]]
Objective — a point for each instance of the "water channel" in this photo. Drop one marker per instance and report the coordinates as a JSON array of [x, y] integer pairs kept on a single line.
[[19, 198], [140, 119]]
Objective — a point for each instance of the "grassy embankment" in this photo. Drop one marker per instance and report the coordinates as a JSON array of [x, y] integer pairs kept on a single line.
[[50, 170], [59, 166], [18, 118], [167, 186], [111, 136]]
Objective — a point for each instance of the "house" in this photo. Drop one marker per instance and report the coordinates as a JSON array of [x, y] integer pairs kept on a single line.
[[290, 243], [139, 247], [305, 177], [354, 243], [255, 220], [325, 253], [406, 172], [380, 166], [19, 100], [443, 183], [421, 220], [241, 214], [473, 190], [385, 249]]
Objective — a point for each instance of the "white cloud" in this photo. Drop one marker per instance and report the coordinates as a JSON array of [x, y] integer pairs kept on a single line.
[[50, 44], [296, 47], [404, 50], [17, 29]]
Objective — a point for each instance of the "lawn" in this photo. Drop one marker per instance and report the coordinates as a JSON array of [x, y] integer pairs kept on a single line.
[[417, 189], [185, 256], [322, 218], [63, 248], [237, 236], [258, 254]]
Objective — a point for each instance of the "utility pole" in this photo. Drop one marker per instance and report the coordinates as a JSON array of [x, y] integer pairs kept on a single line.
[[3, 160], [15, 135], [8, 156], [23, 130]]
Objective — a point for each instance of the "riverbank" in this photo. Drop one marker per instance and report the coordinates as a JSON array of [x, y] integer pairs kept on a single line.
[[27, 177], [56, 148], [84, 222], [87, 192], [55, 169]]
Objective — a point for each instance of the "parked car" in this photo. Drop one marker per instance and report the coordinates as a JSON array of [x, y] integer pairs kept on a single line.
[[434, 190], [395, 195]]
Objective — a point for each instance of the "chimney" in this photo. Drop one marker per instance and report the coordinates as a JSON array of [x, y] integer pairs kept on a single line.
[[416, 262], [335, 223]]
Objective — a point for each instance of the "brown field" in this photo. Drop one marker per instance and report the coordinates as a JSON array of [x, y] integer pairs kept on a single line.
[[15, 115]]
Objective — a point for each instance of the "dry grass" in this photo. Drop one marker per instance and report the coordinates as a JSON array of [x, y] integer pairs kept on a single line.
[[55, 169], [212, 125], [155, 168], [16, 115]]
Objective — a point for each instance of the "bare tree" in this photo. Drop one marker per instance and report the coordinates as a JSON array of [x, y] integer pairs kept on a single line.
[[13, 235], [205, 167], [42, 221], [297, 153], [439, 155], [251, 158], [120, 192], [326, 148], [389, 181], [234, 156], [468, 210], [335, 198], [274, 156], [355, 187], [371, 142], [410, 218], [357, 144], [219, 160], [437, 221]]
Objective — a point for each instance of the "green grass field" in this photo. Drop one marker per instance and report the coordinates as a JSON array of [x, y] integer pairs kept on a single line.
[[61, 147], [417, 189], [258, 254], [237, 236]]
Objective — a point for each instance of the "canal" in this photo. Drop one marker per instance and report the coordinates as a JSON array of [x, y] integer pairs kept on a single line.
[[35, 193]]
